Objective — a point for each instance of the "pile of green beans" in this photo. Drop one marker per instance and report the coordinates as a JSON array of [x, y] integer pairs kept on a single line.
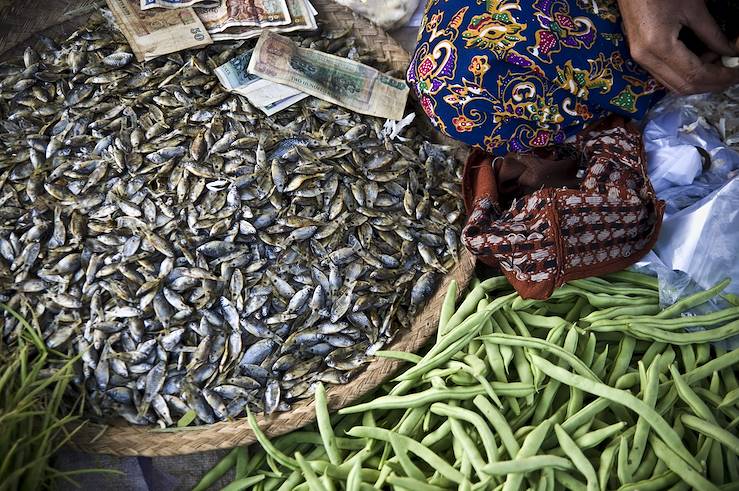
[[576, 392]]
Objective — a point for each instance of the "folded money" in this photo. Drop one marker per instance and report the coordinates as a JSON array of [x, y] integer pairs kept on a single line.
[[339, 80], [268, 96], [277, 106], [302, 15], [157, 32], [240, 13], [176, 4]]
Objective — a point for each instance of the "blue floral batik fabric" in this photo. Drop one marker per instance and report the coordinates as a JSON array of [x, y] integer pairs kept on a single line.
[[511, 75]]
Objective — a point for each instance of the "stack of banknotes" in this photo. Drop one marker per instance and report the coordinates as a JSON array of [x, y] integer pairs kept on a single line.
[[276, 73], [244, 19], [157, 27]]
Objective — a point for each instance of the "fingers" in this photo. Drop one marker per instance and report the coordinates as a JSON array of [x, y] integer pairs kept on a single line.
[[682, 72], [687, 74], [702, 23]]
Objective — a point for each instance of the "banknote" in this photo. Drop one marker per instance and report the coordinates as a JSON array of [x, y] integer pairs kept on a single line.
[[176, 4], [344, 82], [254, 13], [157, 32], [302, 15], [277, 106], [261, 93], [233, 74]]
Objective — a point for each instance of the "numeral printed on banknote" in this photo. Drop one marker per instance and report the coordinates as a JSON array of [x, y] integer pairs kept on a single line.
[[156, 32]]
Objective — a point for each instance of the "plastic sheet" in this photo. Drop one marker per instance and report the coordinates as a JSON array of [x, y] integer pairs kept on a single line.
[[699, 241]]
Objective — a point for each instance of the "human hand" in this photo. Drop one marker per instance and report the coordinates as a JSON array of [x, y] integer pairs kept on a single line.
[[652, 28]]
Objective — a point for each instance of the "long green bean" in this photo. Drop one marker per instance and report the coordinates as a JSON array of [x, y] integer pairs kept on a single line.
[[693, 300], [712, 430], [689, 475], [413, 446], [577, 457], [623, 398], [528, 464]]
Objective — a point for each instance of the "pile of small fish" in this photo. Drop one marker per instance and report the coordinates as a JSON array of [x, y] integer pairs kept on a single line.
[[197, 254]]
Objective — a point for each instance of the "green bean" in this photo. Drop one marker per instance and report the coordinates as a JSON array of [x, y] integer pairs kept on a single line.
[[732, 463], [495, 283], [577, 457], [716, 364], [667, 454], [623, 469], [499, 423], [454, 341], [691, 398], [413, 446], [546, 480], [354, 479], [511, 389], [654, 483], [716, 464], [661, 335], [702, 354], [730, 399], [713, 431], [244, 483], [660, 426], [478, 370], [242, 461], [324, 425], [595, 437], [292, 481], [600, 300], [410, 483], [327, 482], [635, 278], [399, 355], [401, 453], [703, 320], [650, 391], [646, 467], [217, 471], [467, 445], [599, 364], [540, 344], [486, 436], [607, 458], [693, 300], [341, 472], [622, 312], [527, 464], [593, 287], [570, 483], [467, 308], [268, 446], [437, 435], [550, 391], [447, 307], [310, 476], [529, 448]]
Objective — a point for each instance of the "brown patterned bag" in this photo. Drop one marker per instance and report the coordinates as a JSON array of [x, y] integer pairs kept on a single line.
[[532, 216]]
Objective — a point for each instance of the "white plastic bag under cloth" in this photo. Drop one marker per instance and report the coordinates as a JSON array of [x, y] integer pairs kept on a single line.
[[703, 239], [673, 131]]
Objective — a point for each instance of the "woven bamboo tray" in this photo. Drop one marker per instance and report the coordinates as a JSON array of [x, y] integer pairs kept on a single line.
[[18, 23]]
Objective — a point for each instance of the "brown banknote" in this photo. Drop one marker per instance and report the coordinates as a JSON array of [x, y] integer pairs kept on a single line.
[[302, 17], [176, 4], [153, 33], [254, 13], [345, 82]]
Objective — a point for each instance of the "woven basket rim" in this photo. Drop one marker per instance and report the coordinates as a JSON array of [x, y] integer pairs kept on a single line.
[[129, 440]]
